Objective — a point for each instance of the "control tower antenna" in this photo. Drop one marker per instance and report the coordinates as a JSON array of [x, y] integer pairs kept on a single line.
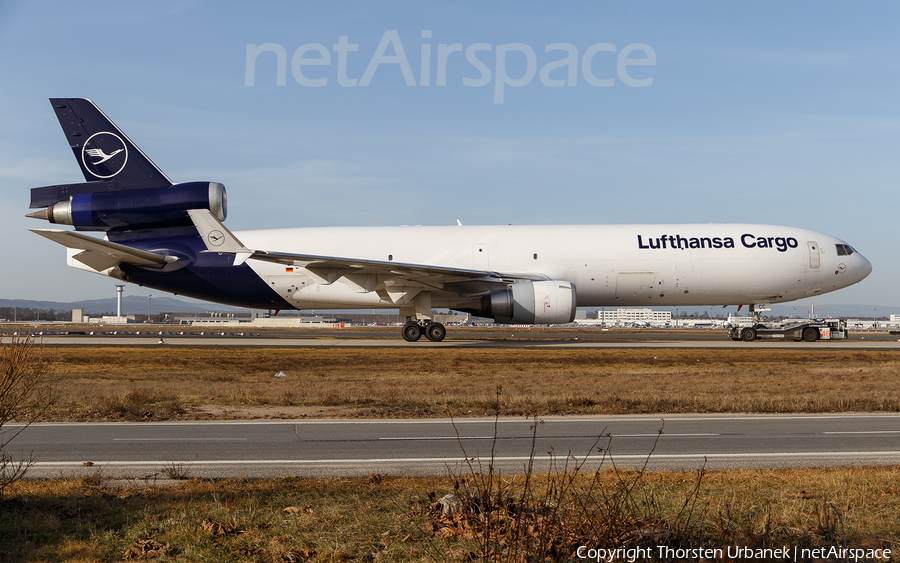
[[120, 289]]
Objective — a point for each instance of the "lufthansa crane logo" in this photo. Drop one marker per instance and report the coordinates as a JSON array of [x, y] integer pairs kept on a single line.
[[215, 238], [104, 155]]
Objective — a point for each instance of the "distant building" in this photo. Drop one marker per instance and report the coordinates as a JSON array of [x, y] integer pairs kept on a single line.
[[735, 320], [865, 324], [631, 316], [452, 319], [114, 320], [624, 317]]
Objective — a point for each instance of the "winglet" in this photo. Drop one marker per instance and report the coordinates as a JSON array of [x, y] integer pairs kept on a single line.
[[217, 237]]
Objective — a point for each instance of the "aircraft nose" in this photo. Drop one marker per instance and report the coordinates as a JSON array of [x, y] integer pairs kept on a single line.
[[865, 267], [862, 268]]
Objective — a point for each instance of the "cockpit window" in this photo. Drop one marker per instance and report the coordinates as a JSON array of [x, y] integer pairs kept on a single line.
[[844, 249]]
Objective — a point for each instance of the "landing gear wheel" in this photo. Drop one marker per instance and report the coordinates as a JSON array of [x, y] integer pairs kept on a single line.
[[435, 332], [810, 335], [748, 334], [412, 332]]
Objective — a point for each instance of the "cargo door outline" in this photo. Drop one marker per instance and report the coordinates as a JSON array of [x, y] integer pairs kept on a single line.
[[815, 259], [635, 285]]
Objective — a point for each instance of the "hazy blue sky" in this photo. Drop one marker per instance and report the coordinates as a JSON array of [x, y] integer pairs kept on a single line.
[[765, 112]]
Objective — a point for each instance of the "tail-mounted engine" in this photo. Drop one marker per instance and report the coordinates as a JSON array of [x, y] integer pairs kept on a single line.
[[542, 302], [136, 208]]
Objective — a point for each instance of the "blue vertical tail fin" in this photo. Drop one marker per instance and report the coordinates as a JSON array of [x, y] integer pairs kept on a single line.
[[103, 151]]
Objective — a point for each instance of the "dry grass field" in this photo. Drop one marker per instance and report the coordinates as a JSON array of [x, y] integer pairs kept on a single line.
[[96, 383], [397, 519], [497, 517]]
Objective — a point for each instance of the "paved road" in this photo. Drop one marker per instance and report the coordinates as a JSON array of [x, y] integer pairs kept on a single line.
[[494, 342], [432, 447]]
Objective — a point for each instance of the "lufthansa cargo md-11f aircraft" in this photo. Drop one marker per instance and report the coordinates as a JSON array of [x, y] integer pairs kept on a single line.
[[170, 237]]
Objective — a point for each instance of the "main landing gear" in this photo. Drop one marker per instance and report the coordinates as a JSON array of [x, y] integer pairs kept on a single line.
[[413, 331]]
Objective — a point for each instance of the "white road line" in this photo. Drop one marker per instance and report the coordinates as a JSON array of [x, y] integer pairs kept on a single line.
[[867, 432], [179, 439], [663, 435], [654, 457], [539, 437], [426, 438]]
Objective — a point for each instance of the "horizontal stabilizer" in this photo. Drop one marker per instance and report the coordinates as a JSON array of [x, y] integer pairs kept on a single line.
[[100, 254], [48, 195]]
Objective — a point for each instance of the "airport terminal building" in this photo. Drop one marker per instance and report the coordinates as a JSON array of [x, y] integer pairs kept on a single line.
[[629, 316]]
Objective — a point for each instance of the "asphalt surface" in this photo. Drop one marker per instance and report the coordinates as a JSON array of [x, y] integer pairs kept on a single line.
[[465, 337], [514, 341], [438, 446]]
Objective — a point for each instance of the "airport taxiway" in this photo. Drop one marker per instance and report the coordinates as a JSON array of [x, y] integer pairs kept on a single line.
[[435, 446], [512, 342]]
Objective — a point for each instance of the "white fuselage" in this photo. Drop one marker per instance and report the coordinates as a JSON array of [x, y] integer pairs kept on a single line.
[[610, 265]]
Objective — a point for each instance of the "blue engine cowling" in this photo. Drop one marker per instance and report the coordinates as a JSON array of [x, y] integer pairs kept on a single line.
[[140, 209]]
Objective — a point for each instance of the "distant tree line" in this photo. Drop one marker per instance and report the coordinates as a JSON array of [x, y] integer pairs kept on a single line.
[[33, 314]]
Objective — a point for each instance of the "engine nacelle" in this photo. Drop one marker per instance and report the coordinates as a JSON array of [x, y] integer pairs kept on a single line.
[[143, 208], [542, 302]]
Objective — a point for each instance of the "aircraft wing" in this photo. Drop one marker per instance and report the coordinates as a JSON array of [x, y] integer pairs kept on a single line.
[[355, 271], [101, 254]]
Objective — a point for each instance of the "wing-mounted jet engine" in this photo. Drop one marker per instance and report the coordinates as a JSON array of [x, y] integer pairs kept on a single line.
[[540, 302]]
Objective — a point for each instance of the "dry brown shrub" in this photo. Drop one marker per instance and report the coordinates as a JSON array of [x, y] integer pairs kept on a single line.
[[146, 549], [25, 393], [216, 528], [177, 471]]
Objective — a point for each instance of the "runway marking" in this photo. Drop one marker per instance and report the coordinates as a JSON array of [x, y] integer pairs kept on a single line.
[[661, 434], [654, 457], [867, 432], [179, 439], [412, 438], [539, 437]]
